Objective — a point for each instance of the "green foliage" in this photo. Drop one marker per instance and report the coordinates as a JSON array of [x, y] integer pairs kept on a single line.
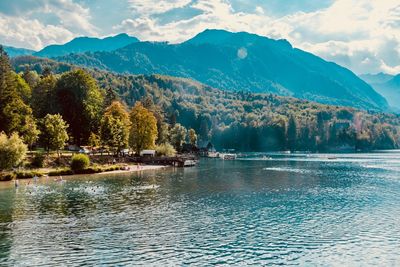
[[63, 171], [143, 133], [7, 176], [44, 99], [115, 127], [54, 132], [165, 149], [178, 135], [81, 103], [79, 162], [27, 174], [192, 136], [12, 151], [15, 115], [38, 160], [94, 140], [242, 120]]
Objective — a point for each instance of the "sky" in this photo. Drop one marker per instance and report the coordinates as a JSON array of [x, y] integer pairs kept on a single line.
[[363, 35]]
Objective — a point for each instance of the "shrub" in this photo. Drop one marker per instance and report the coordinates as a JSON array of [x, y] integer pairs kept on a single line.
[[12, 151], [79, 162], [165, 150], [7, 176], [66, 171], [38, 160], [27, 174]]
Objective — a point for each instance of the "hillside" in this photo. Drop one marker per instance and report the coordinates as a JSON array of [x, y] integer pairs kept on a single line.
[[241, 62], [388, 86], [242, 120], [87, 44], [14, 51]]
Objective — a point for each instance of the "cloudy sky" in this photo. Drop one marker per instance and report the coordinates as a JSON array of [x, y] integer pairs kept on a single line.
[[363, 35]]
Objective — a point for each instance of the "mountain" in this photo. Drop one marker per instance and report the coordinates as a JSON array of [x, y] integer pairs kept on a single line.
[[376, 78], [240, 120], [241, 61], [14, 51], [388, 86], [87, 44]]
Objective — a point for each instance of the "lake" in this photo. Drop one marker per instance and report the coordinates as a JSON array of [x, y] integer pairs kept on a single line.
[[297, 209]]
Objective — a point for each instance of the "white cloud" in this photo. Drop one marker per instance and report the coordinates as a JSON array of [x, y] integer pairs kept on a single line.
[[148, 7], [21, 23], [31, 33]]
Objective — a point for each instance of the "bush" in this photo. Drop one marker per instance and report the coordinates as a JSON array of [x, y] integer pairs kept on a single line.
[[27, 174], [38, 160], [165, 150], [66, 171], [7, 176], [79, 162], [12, 151]]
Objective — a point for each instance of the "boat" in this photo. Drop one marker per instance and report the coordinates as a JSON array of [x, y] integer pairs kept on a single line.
[[189, 163], [228, 156]]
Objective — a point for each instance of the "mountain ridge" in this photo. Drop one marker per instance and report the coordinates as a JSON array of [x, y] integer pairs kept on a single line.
[[87, 44], [241, 61]]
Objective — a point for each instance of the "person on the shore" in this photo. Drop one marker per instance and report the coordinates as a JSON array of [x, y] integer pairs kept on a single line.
[[16, 183]]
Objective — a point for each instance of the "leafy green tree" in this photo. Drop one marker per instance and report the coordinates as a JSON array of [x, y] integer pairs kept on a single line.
[[192, 137], [30, 77], [165, 149], [81, 103], [143, 133], [23, 89], [44, 97], [54, 132], [163, 133], [13, 111], [94, 140], [12, 151], [30, 132], [114, 128], [178, 135]]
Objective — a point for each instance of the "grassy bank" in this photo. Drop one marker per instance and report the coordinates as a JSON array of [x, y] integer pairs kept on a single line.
[[27, 174]]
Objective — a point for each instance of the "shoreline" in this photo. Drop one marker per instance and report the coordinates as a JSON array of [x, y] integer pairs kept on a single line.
[[131, 169]]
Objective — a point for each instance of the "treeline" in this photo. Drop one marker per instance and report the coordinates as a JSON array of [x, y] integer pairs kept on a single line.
[[52, 111], [239, 120]]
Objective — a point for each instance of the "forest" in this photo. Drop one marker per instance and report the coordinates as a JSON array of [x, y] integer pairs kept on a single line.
[[184, 110]]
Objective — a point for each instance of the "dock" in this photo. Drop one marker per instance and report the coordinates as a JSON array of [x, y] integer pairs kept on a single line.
[[177, 161]]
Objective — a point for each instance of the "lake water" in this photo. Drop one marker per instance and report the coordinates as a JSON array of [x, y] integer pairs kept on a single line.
[[308, 210]]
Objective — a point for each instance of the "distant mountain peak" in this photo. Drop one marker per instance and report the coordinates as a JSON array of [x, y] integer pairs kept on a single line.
[[237, 39], [88, 44]]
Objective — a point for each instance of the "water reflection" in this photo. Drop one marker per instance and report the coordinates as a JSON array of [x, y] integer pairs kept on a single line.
[[291, 209]]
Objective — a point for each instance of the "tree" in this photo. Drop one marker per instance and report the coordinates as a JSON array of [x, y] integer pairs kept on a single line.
[[23, 88], [44, 97], [13, 111], [114, 128], [192, 137], [30, 132], [165, 149], [12, 151], [81, 104], [143, 132], [54, 132], [292, 133], [94, 140], [30, 77], [178, 135]]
